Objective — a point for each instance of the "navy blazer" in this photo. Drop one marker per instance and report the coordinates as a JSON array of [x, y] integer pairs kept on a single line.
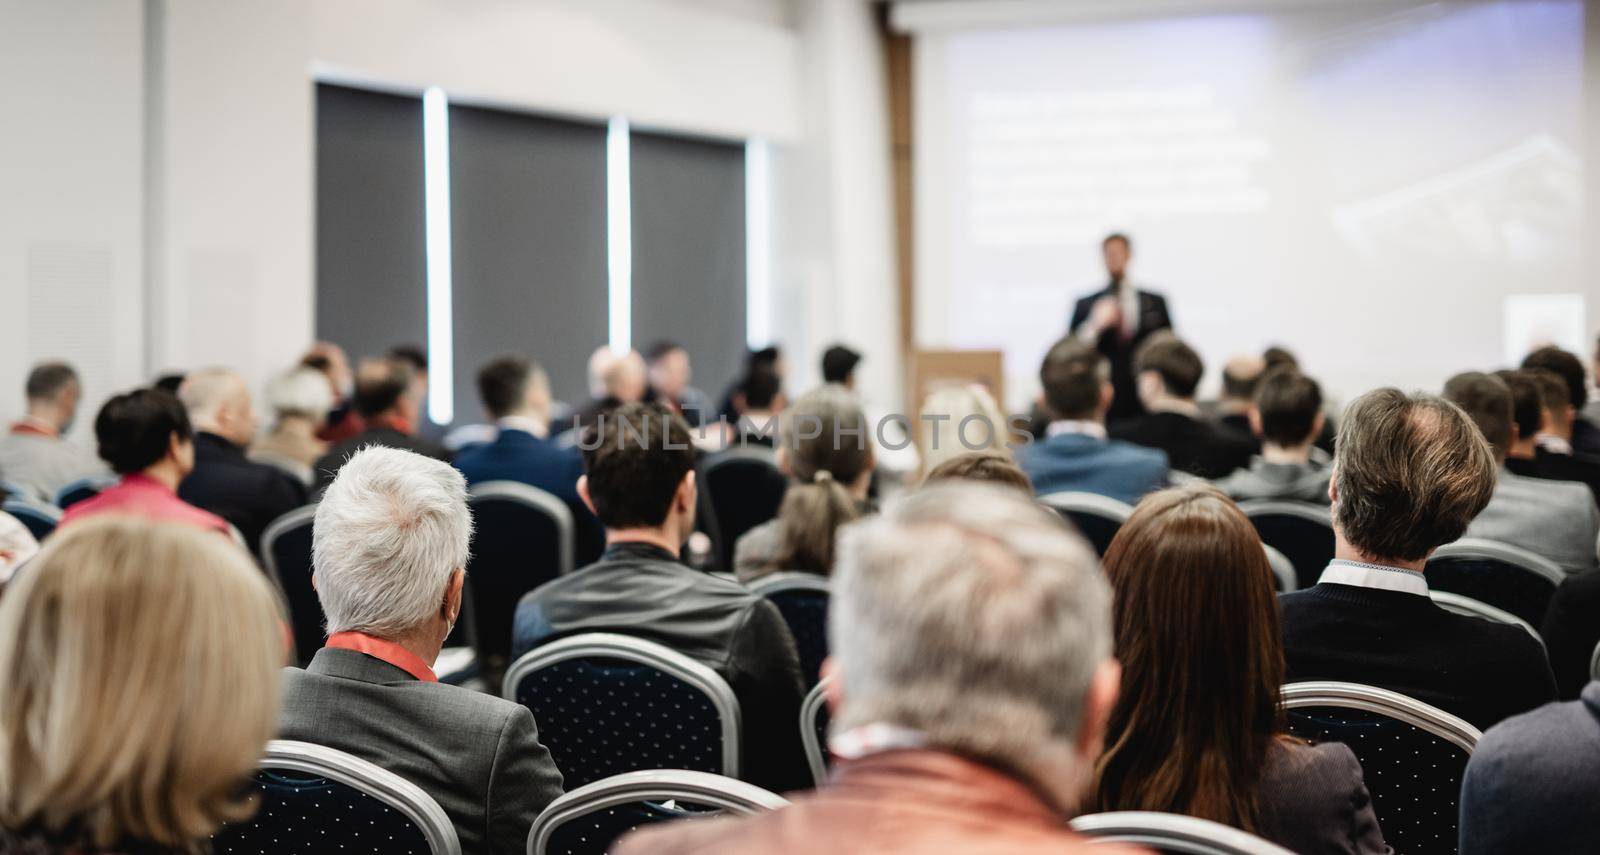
[[1084, 464], [516, 455]]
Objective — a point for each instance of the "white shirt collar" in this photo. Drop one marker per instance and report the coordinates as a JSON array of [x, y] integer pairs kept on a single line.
[[524, 423], [1555, 444], [1376, 576], [1087, 427], [874, 738]]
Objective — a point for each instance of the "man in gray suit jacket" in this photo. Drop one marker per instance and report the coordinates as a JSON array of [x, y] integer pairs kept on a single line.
[[388, 551]]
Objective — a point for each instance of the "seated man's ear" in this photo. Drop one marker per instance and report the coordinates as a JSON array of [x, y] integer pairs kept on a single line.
[[688, 493], [450, 609], [583, 493], [1255, 421], [832, 685]]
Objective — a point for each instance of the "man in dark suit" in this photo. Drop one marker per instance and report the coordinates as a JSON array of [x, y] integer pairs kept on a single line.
[[1169, 371], [1075, 454], [225, 482], [1585, 437], [1525, 457], [640, 481], [516, 394], [1116, 320], [1410, 473], [387, 400], [390, 548]]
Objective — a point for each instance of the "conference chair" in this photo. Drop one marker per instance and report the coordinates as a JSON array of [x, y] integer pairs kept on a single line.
[[802, 599], [814, 718], [39, 519], [1097, 517], [1300, 530], [1413, 755], [1284, 579], [587, 820], [12, 490], [1594, 663], [315, 799], [286, 555], [83, 488], [1468, 606], [608, 704], [1504, 576], [1172, 833], [523, 538], [743, 488]]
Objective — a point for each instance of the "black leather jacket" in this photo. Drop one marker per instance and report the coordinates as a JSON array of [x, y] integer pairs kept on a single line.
[[644, 591]]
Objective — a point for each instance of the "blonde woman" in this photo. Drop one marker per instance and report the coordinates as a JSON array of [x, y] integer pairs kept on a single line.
[[958, 419], [138, 687]]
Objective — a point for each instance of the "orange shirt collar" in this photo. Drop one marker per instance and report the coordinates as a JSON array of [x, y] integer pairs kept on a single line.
[[388, 651]]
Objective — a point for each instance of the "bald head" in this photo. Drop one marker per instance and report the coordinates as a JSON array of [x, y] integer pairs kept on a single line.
[[1240, 376], [218, 401], [617, 375]]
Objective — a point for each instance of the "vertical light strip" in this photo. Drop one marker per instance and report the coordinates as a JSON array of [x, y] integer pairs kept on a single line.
[[619, 235], [757, 270], [436, 192]]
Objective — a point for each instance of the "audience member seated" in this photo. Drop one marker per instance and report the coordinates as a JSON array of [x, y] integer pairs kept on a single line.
[[299, 400], [969, 687], [386, 402], [1168, 373], [1555, 519], [1240, 377], [827, 455], [1075, 454], [1571, 630], [17, 544], [1585, 435], [388, 556], [33, 455], [1554, 441], [614, 380], [1276, 357], [765, 359], [1529, 417], [944, 412], [640, 482], [1533, 782], [1410, 472], [1197, 728], [1287, 416], [417, 358], [893, 450], [982, 466], [759, 403], [342, 421], [670, 383], [146, 437], [516, 394], [225, 482], [137, 689]]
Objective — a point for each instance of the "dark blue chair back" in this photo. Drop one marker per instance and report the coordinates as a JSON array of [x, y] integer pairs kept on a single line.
[[39, 520], [522, 538], [286, 554], [744, 489], [802, 599], [1098, 518], [1510, 579], [83, 488], [1303, 532]]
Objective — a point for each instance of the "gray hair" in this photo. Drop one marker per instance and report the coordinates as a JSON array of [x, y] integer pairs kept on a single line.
[[301, 392], [973, 615], [390, 530], [205, 391]]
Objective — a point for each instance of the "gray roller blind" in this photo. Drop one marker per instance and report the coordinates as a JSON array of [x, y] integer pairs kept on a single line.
[[689, 251], [371, 255], [529, 235]]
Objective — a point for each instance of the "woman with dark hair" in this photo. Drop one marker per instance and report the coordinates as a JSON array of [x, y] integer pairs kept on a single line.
[[1198, 728]]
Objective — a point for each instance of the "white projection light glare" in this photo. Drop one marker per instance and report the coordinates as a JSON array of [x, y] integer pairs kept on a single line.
[[436, 192], [757, 274], [619, 236]]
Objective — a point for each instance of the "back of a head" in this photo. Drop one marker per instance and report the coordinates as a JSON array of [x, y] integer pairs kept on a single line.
[[207, 390], [626, 378], [190, 655], [972, 615], [838, 363], [47, 380], [380, 384], [1177, 364], [390, 530], [1072, 376], [1527, 402], [1411, 471], [1288, 403], [957, 419], [301, 392], [826, 430], [989, 467], [503, 384], [1278, 357], [1553, 392], [634, 458], [134, 430], [1241, 375], [761, 387], [413, 355], [1569, 366], [1486, 399], [1196, 627]]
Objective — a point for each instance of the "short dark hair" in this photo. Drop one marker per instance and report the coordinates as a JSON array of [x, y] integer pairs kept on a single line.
[[1127, 244], [659, 349], [635, 457], [503, 382], [49, 379], [379, 389], [135, 429], [990, 466], [412, 355], [169, 383], [1288, 402], [766, 357], [1279, 357], [1241, 387], [1527, 402], [1553, 391], [838, 363], [1486, 399], [761, 388], [1411, 472], [1177, 364], [1567, 365], [1072, 375]]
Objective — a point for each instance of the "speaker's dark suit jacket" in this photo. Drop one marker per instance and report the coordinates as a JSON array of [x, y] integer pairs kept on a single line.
[[1153, 317]]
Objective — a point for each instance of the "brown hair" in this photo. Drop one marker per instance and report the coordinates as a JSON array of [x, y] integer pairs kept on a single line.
[[1196, 628], [1411, 471], [1486, 399], [1177, 363], [988, 466], [1288, 402], [1072, 376], [826, 442]]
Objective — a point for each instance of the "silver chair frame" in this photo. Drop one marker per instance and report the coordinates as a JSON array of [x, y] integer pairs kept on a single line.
[[379, 783], [778, 583], [275, 529], [1304, 510], [1594, 663], [30, 507], [1477, 608], [659, 657], [533, 497], [1328, 693], [816, 757], [1282, 568], [1493, 550], [1172, 833], [1088, 503], [699, 788]]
